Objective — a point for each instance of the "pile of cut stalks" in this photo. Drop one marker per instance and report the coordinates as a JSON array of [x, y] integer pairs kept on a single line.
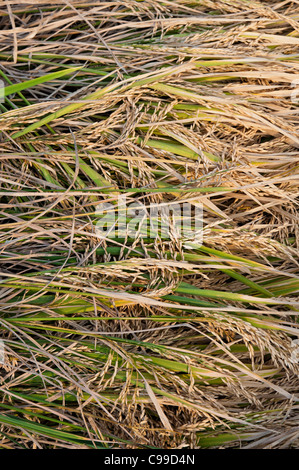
[[142, 337]]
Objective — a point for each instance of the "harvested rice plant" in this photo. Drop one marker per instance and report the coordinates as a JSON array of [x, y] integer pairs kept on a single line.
[[148, 338]]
